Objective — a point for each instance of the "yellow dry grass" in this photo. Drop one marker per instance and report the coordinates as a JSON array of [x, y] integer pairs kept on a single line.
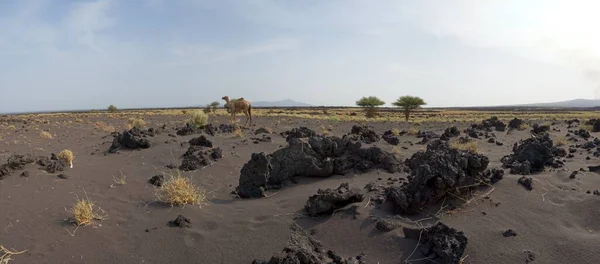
[[560, 141], [198, 118], [238, 132], [5, 254], [105, 127], [413, 131], [84, 213], [137, 122], [46, 135], [395, 131], [470, 146], [66, 156], [524, 126], [179, 191], [587, 127]]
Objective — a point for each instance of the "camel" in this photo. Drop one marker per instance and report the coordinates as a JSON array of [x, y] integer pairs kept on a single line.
[[239, 105]]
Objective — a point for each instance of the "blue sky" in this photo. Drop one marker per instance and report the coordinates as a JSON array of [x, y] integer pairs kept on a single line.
[[58, 54]]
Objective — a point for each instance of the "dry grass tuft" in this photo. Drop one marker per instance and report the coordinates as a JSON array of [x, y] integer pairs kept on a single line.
[[524, 126], [560, 141], [586, 127], [238, 132], [178, 191], [84, 212], [137, 122], [395, 131], [46, 135], [12, 127], [198, 118], [5, 254], [413, 131], [66, 156], [470, 146], [105, 127], [120, 180]]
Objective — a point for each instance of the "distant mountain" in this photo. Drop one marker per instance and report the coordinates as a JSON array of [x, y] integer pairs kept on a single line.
[[585, 103], [281, 103]]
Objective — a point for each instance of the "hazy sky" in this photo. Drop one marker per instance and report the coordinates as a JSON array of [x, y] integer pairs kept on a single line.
[[144, 53]]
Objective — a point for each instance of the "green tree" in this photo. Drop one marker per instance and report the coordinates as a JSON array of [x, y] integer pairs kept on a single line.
[[370, 105], [112, 108], [408, 104], [215, 104]]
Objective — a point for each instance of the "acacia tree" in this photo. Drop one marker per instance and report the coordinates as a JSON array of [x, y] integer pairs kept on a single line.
[[370, 105], [408, 104]]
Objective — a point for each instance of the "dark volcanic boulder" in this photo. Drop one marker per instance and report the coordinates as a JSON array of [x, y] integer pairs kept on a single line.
[[490, 123], [532, 155], [364, 133], [197, 157], [538, 129], [303, 249], [300, 132], [389, 137], [450, 133], [132, 139], [201, 141], [13, 163], [595, 123], [188, 130], [320, 157], [227, 128], [516, 123], [582, 133], [448, 244], [436, 172], [328, 200], [51, 165]]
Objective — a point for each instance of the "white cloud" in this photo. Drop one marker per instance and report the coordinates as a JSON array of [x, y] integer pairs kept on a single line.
[[85, 20], [546, 30]]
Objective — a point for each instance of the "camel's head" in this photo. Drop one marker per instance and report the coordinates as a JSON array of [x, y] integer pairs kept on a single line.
[[226, 98]]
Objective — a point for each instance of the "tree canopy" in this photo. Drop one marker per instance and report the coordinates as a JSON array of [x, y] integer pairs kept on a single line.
[[409, 103], [370, 101]]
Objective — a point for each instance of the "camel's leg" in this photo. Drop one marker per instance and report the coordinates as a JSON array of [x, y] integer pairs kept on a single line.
[[247, 117]]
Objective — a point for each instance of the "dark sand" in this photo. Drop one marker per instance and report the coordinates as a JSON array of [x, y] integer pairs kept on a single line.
[[558, 221]]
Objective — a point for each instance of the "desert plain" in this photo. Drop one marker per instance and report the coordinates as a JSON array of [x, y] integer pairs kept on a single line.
[[417, 191]]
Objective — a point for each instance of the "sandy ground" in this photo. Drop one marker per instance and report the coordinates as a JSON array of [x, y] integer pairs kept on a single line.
[[558, 220]]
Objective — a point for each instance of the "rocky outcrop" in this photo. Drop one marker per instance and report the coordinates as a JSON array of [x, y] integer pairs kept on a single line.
[[13, 163], [436, 172], [532, 155], [303, 249], [364, 133], [320, 157], [300, 132], [197, 157], [132, 139], [328, 200], [450, 133], [443, 242], [390, 138]]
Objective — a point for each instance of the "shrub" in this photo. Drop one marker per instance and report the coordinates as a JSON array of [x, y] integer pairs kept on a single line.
[[470, 146], [198, 119], [178, 191], [84, 212], [370, 105], [46, 135], [137, 122], [112, 109], [66, 156], [560, 141]]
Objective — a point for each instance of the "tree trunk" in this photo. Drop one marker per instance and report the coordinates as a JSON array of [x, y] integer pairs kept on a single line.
[[406, 114]]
